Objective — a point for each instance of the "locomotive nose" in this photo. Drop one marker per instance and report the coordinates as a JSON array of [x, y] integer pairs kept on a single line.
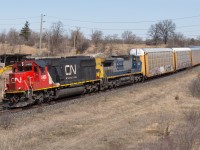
[[18, 81]]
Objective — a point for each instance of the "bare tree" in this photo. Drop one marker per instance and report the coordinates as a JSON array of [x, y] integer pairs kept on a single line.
[[198, 39], [109, 41], [162, 30], [56, 37], [128, 37], [154, 34], [177, 40], [166, 29], [78, 40], [97, 37], [33, 39], [76, 37], [3, 37], [116, 39], [13, 37]]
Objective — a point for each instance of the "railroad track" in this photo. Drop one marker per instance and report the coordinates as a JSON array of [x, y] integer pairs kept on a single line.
[[3, 111], [79, 98]]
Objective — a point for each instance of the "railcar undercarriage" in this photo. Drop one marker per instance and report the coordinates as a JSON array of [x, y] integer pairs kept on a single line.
[[27, 98]]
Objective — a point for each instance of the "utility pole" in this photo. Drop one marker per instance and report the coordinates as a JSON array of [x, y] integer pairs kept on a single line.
[[74, 42], [48, 45], [41, 23]]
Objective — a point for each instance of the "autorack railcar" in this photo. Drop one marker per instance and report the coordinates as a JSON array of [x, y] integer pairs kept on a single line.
[[155, 61], [183, 58], [195, 56]]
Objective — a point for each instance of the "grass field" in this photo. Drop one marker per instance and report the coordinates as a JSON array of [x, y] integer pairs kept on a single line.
[[129, 118], [117, 49]]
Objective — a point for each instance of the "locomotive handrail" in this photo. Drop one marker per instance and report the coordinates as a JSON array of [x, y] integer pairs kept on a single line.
[[5, 68]]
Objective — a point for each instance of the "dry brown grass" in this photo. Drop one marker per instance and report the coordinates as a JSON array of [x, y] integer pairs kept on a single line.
[[119, 49], [125, 119], [195, 87], [6, 48]]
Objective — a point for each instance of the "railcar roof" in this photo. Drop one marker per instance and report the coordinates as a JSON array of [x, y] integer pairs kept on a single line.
[[181, 49], [149, 50], [195, 48]]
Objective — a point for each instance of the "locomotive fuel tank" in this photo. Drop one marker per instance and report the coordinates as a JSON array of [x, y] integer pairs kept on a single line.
[[69, 92]]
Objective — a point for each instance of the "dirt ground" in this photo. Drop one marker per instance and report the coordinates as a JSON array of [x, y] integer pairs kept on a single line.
[[122, 120]]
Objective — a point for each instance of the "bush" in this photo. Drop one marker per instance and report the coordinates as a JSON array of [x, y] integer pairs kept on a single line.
[[83, 46], [5, 122], [192, 117], [195, 87], [184, 137], [40, 110]]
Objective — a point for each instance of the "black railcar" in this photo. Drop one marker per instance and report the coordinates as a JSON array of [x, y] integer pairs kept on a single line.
[[71, 69]]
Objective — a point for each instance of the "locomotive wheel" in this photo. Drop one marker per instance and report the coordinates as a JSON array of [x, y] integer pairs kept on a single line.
[[40, 98]]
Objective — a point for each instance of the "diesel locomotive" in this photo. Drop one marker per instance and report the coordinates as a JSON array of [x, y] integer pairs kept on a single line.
[[42, 80]]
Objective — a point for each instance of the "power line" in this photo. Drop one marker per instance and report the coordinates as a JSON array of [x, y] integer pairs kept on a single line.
[[191, 31], [189, 26], [122, 29], [19, 24], [95, 28], [21, 18], [113, 22]]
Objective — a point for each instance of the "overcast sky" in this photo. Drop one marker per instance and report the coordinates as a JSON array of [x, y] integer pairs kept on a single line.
[[110, 16]]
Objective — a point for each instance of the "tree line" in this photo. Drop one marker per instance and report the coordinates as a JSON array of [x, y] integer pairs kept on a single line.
[[56, 41]]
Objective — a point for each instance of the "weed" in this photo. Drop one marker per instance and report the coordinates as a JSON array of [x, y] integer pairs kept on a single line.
[[5, 122], [195, 87], [40, 110], [176, 97]]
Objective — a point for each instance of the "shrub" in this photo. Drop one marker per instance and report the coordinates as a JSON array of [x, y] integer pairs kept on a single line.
[[192, 117], [195, 87], [5, 122], [40, 110]]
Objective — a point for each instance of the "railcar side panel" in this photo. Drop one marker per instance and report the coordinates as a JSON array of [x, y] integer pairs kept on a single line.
[[159, 63], [72, 69], [183, 59], [116, 66], [195, 56]]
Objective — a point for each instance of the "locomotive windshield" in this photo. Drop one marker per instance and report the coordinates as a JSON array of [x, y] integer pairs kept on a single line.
[[23, 67]]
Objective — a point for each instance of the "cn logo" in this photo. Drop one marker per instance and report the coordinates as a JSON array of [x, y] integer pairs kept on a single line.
[[70, 70], [14, 80]]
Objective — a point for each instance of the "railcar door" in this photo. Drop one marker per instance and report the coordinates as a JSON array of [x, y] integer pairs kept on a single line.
[[36, 74]]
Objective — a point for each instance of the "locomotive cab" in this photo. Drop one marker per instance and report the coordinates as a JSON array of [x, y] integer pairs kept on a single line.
[[27, 75], [18, 79], [137, 56], [26, 79]]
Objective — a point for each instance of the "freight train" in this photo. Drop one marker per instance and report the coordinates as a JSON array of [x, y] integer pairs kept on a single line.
[[42, 80]]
